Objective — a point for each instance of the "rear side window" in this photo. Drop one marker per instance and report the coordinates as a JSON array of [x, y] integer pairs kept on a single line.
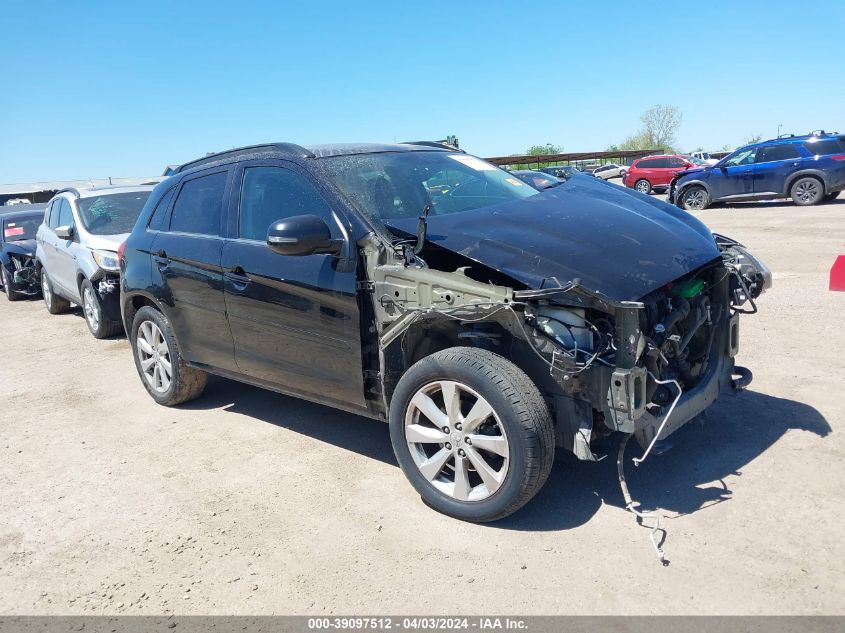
[[199, 205], [646, 164], [159, 216], [825, 147], [770, 153], [275, 193]]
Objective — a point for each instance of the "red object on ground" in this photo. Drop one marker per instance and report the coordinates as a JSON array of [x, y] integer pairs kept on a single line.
[[837, 274]]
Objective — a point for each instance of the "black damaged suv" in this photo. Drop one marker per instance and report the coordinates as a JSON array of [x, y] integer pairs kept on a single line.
[[488, 322]]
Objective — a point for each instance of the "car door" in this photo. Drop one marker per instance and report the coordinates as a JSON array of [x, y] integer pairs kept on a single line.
[[62, 268], [773, 166], [733, 177], [186, 255], [295, 319]]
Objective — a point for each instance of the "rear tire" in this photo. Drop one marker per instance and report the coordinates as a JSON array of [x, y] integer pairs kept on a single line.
[[98, 323], [11, 295], [695, 198], [807, 191], [643, 186], [500, 436], [163, 371], [54, 303]]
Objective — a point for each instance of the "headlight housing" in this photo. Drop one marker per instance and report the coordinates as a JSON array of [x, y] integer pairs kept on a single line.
[[107, 260]]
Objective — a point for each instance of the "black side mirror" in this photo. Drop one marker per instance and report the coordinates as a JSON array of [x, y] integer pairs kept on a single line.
[[64, 232], [302, 235]]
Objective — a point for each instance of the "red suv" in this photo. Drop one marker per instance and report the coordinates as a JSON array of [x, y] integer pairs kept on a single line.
[[655, 172]]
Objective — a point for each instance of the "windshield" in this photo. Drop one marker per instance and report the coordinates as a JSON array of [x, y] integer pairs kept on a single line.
[[22, 228], [740, 157], [111, 213], [401, 184]]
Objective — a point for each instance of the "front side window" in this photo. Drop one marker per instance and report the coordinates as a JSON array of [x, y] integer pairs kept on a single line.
[[676, 162], [111, 213], [771, 153], [269, 194], [199, 205], [55, 210], [396, 185], [741, 157], [65, 214]]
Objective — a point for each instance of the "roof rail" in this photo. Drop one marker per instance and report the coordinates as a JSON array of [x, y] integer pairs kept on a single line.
[[287, 148], [786, 136], [434, 144], [72, 190]]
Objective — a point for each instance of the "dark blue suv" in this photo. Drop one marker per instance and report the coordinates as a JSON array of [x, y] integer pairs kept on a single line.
[[808, 169]]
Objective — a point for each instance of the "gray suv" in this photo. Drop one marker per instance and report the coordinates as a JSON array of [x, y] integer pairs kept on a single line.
[[76, 251]]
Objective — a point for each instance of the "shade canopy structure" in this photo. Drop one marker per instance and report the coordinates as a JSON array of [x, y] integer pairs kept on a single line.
[[527, 159]]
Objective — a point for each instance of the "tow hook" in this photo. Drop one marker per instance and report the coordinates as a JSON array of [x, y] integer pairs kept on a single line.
[[742, 377]]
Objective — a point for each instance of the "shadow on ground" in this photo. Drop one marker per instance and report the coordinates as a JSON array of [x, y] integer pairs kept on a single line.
[[736, 430]]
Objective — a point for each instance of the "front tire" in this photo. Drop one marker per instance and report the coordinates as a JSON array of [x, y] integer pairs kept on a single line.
[[98, 323], [11, 295], [807, 191], [643, 186], [695, 198], [472, 434], [163, 371], [54, 303]]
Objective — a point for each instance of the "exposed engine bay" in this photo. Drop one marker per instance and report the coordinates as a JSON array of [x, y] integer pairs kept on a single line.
[[602, 365]]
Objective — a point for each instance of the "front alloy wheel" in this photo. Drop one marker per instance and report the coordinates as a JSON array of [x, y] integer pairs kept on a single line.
[[695, 199], [154, 357], [460, 447], [472, 433], [91, 308]]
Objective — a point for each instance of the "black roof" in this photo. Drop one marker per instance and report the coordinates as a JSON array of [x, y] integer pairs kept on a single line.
[[22, 209], [291, 150]]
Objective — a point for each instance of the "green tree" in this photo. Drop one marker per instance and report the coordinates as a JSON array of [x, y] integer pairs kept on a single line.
[[540, 150], [659, 130]]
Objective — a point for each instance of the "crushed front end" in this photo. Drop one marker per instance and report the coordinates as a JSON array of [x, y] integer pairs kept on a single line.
[[650, 366], [22, 274]]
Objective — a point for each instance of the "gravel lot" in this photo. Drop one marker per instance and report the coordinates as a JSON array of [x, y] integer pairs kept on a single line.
[[248, 502]]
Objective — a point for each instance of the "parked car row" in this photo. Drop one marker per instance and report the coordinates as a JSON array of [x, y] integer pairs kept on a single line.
[[809, 169], [489, 322]]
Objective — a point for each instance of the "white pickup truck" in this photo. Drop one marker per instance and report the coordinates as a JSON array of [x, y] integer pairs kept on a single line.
[[705, 156]]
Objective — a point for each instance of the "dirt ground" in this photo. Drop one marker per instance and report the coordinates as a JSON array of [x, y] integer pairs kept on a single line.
[[248, 502]]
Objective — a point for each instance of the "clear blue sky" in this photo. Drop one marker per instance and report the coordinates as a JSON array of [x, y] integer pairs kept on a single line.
[[95, 89]]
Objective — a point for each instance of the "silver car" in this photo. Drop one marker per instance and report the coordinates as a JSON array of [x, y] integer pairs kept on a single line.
[[76, 251], [611, 170]]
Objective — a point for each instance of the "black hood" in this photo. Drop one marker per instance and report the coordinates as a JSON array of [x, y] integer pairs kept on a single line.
[[20, 247], [617, 241]]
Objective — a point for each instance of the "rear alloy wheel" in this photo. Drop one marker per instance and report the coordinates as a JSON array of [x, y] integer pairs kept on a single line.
[[98, 323], [11, 295], [54, 303], [472, 433], [807, 191], [695, 199], [643, 186], [166, 376]]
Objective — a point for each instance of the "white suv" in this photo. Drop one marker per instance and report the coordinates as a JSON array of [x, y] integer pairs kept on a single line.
[[76, 251]]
